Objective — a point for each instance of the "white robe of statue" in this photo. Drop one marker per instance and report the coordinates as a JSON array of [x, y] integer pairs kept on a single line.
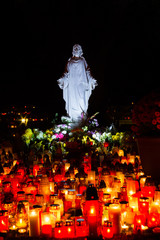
[[77, 84]]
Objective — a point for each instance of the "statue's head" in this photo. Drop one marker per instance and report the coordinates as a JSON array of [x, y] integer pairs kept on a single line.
[[77, 51]]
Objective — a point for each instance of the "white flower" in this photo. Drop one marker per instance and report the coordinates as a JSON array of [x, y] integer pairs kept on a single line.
[[40, 135], [53, 137], [97, 136], [57, 129]]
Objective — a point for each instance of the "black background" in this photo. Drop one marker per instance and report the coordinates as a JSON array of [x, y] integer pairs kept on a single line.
[[120, 40]]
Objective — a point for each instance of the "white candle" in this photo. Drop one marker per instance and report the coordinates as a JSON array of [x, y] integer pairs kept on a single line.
[[34, 223]]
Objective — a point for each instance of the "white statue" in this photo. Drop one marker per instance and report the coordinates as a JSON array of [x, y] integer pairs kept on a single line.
[[77, 84]]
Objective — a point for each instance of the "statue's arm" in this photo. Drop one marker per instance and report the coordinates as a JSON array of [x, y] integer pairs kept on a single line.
[[63, 82], [92, 81]]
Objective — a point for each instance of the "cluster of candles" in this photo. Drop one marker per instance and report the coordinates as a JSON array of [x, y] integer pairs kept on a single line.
[[66, 204]]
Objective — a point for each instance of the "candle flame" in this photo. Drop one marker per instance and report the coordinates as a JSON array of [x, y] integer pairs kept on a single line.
[[33, 213], [153, 219], [47, 219], [92, 211]]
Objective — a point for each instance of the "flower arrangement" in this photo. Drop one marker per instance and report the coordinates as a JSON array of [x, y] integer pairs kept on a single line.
[[146, 116], [67, 138]]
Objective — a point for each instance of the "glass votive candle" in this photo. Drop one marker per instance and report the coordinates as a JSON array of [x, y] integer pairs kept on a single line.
[[34, 223], [30, 198], [107, 230], [81, 228], [55, 211], [67, 166], [139, 220], [153, 220], [61, 205], [115, 217], [39, 199], [52, 198], [133, 203], [157, 196], [22, 223], [59, 231], [142, 180], [105, 215], [70, 229], [106, 198], [143, 205], [3, 221], [20, 196], [46, 225], [91, 177], [78, 201], [51, 187], [131, 186], [12, 223]]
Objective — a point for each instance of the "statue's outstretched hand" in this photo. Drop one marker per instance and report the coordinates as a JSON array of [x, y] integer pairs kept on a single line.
[[61, 83]]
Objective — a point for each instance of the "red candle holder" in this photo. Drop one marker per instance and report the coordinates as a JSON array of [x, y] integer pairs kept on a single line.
[[107, 230], [81, 227], [78, 201], [139, 220], [92, 212], [148, 191], [46, 226], [69, 229], [59, 231], [143, 205], [153, 220], [3, 221]]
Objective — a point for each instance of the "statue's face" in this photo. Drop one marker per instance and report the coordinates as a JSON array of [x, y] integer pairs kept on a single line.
[[77, 51]]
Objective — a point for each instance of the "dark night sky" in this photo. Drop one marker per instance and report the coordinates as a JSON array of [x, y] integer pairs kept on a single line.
[[120, 41]]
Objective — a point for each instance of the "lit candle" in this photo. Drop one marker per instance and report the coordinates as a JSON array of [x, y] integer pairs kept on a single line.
[[67, 166], [131, 186], [139, 220], [157, 196], [21, 223], [55, 211], [153, 220], [34, 223], [120, 153], [92, 212], [115, 217], [91, 177], [142, 181], [3, 221], [46, 224], [107, 230], [59, 231], [120, 176], [51, 187], [131, 159], [71, 196], [61, 205], [144, 205], [81, 228], [133, 202]]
